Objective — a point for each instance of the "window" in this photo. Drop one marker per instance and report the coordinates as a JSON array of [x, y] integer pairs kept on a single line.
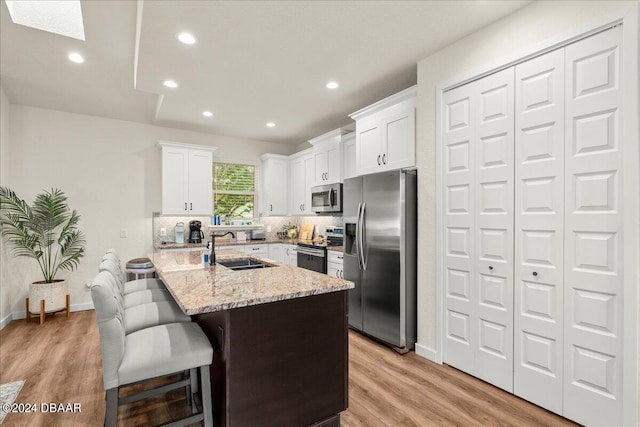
[[233, 190]]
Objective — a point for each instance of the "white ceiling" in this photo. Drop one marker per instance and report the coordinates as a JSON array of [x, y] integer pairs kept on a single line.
[[254, 62]]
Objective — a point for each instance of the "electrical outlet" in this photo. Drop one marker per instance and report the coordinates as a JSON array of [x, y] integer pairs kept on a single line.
[[163, 231], [123, 233]]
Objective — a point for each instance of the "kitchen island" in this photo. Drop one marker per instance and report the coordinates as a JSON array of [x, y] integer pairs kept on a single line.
[[279, 336]]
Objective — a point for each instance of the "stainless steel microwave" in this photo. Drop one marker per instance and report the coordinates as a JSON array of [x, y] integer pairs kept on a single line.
[[326, 198]]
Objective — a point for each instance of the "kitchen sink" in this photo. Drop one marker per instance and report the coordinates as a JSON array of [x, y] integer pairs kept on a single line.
[[244, 264]]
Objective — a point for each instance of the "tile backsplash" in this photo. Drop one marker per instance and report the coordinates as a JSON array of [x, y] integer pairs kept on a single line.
[[274, 223]]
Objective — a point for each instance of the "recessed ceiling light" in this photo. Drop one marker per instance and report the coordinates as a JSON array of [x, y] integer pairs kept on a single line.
[[271, 125], [186, 38], [76, 57], [170, 83], [207, 113], [332, 85]]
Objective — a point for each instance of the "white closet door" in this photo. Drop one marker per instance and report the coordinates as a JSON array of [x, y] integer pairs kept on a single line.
[[459, 206], [539, 235], [494, 157], [593, 237]]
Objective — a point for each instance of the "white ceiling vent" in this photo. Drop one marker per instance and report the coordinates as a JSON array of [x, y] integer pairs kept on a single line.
[[62, 17]]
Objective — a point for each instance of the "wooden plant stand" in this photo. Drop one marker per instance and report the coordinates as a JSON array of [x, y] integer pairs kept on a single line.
[[42, 313]]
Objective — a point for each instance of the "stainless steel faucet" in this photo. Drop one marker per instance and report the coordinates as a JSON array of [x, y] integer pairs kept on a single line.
[[212, 258]]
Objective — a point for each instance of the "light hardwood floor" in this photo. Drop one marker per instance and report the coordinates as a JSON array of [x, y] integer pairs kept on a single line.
[[61, 363]]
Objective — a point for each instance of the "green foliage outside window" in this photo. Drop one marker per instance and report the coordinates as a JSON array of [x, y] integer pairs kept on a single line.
[[233, 190]]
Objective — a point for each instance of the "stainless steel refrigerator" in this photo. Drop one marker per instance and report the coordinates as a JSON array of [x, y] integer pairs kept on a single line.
[[380, 213]]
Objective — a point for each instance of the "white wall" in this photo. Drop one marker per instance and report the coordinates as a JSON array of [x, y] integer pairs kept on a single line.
[[501, 42], [4, 175], [110, 171]]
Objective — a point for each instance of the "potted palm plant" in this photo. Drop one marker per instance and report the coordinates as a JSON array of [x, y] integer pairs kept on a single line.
[[48, 233]]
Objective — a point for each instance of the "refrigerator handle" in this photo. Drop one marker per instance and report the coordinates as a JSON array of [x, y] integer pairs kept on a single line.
[[357, 242], [363, 237]]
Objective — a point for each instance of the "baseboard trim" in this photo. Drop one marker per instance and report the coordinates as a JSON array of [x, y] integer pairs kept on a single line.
[[426, 352], [17, 315], [7, 319]]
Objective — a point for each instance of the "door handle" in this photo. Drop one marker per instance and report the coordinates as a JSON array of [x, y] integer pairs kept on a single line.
[[357, 239], [362, 236]]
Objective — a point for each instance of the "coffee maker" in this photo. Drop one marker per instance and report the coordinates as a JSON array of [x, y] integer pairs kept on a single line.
[[195, 233]]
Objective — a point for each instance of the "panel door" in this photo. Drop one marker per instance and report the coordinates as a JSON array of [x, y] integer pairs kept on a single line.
[[539, 232], [298, 186], [369, 146], [334, 163], [459, 211], [349, 157], [200, 183], [308, 184], [400, 136], [593, 231], [494, 157], [320, 160], [175, 189]]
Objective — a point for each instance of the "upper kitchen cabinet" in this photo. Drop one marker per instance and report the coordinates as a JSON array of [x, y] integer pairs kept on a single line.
[[349, 156], [385, 134], [327, 157], [275, 185], [186, 179], [301, 179]]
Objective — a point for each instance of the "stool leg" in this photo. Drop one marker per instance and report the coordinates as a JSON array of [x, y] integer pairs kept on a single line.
[[207, 408], [193, 376], [111, 415], [28, 313], [68, 306]]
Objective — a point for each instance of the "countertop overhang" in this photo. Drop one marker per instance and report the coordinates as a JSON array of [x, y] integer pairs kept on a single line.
[[199, 290]]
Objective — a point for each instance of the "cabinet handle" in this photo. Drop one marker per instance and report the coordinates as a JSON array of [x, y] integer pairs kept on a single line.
[[190, 206], [384, 159], [535, 274], [378, 159], [490, 267], [185, 206], [255, 249], [339, 257], [270, 208]]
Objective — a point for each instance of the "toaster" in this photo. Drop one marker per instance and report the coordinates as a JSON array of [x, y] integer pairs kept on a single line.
[[257, 235]]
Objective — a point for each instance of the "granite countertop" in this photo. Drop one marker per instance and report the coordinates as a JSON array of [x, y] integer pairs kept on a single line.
[[172, 245], [199, 290]]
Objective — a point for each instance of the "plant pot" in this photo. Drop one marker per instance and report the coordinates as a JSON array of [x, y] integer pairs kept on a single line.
[[54, 295]]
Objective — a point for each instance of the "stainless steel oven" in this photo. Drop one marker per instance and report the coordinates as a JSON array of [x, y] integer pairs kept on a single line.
[[326, 198], [312, 257]]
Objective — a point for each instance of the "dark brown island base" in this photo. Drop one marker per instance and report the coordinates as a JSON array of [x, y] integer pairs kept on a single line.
[[279, 336]]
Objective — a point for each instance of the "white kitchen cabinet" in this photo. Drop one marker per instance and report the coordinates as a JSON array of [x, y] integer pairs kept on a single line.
[[291, 254], [349, 156], [276, 252], [274, 185], [327, 157], [385, 134], [335, 264], [261, 249], [301, 177], [186, 179]]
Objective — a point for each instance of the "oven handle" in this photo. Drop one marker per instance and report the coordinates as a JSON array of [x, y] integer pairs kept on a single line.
[[311, 251]]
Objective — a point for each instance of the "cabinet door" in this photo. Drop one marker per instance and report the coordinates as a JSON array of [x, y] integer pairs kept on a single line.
[[175, 189], [297, 196], [349, 159], [308, 184], [257, 250], [333, 269], [400, 141], [276, 252], [334, 163], [320, 165], [291, 255], [200, 183], [275, 187], [368, 147]]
